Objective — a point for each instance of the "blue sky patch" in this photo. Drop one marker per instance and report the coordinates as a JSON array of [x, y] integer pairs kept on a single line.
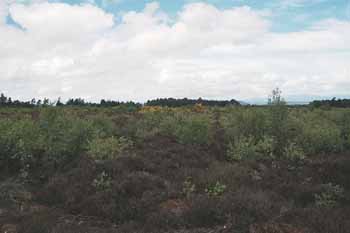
[[287, 15]]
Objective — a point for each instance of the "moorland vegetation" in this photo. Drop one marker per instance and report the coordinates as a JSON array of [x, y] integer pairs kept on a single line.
[[126, 167]]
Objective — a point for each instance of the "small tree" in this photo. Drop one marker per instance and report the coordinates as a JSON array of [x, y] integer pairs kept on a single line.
[[278, 120], [3, 99]]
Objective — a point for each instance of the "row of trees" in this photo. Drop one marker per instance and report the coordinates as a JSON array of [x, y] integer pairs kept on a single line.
[[172, 102], [102, 103], [164, 102], [8, 101], [339, 103]]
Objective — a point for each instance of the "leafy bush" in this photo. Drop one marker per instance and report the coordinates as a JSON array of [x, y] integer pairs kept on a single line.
[[20, 141], [102, 181], [148, 125], [244, 122], [242, 150], [330, 195], [293, 152], [265, 147], [193, 129], [278, 113], [216, 189], [188, 187], [102, 127], [323, 137], [108, 148], [246, 149], [65, 136]]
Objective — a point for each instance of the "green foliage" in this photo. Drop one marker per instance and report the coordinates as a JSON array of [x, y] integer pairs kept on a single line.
[[14, 193], [65, 136], [188, 187], [244, 122], [19, 143], [187, 127], [246, 149], [265, 147], [330, 195], [243, 149], [321, 136], [102, 127], [108, 148], [193, 129], [278, 121], [53, 137], [294, 152], [216, 189], [102, 182], [148, 125]]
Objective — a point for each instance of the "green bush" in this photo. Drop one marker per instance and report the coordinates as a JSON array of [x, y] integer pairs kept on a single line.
[[324, 137], [246, 149], [102, 127], [294, 152], [244, 122], [188, 187], [65, 136], [242, 150], [148, 125], [278, 118], [193, 129], [330, 195], [265, 147], [216, 189], [102, 182], [20, 142], [108, 148]]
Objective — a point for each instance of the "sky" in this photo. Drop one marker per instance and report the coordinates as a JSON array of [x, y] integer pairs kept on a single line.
[[139, 50]]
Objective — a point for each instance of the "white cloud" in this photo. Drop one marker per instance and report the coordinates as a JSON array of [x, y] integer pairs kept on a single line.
[[80, 51]]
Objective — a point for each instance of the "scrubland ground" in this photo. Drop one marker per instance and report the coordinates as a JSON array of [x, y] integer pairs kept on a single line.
[[267, 169]]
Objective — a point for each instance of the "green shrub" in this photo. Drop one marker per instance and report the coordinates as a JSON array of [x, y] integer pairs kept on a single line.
[[102, 182], [20, 142], [188, 187], [108, 148], [245, 149], [244, 122], [265, 147], [193, 129], [294, 152], [330, 195], [242, 150], [216, 189], [65, 136], [321, 138], [148, 125], [278, 117], [169, 123], [102, 127]]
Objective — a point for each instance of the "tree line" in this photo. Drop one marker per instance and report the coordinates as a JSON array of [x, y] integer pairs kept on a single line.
[[8, 101], [172, 102], [339, 103], [165, 102]]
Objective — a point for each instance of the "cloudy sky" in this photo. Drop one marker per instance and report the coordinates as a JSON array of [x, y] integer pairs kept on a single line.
[[139, 50]]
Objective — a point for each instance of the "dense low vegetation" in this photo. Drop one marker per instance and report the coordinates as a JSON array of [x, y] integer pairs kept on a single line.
[[187, 169]]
